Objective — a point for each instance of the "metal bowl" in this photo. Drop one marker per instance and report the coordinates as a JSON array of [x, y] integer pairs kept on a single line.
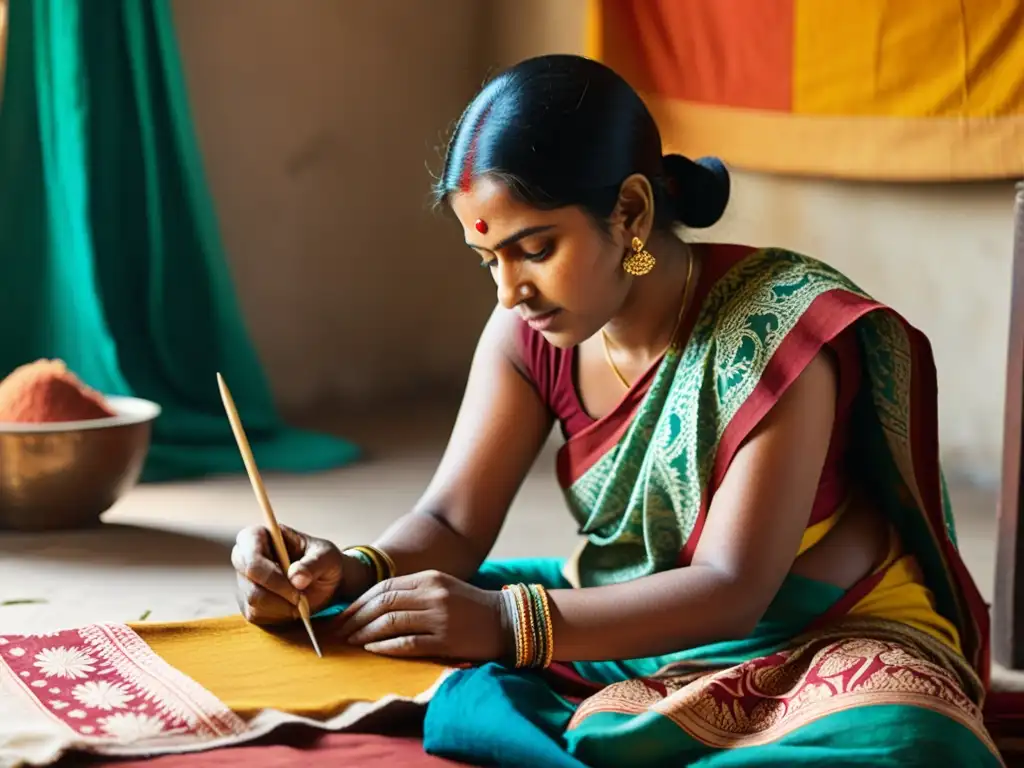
[[63, 475]]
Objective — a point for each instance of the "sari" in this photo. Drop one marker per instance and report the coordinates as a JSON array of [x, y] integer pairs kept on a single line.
[[892, 671]]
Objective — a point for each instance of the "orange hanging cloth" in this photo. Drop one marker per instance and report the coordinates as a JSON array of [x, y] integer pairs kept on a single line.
[[868, 90]]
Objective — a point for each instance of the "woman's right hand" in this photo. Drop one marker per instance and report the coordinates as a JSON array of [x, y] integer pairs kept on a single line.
[[319, 570]]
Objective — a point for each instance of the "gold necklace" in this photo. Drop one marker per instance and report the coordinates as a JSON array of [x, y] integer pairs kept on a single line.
[[675, 329]]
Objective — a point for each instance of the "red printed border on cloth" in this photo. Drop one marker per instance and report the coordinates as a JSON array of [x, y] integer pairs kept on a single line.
[[98, 687]]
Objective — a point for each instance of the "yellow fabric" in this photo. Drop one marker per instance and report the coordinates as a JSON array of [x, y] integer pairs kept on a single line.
[[594, 31], [817, 532], [886, 148], [941, 58], [251, 669], [901, 595]]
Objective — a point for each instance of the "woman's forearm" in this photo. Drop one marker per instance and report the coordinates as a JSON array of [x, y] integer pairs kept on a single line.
[[421, 541], [651, 616]]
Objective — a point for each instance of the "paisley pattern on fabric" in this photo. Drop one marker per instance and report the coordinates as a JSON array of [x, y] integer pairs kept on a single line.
[[764, 699], [640, 502]]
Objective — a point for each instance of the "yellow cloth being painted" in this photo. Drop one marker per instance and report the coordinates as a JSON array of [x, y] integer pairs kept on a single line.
[[868, 89], [251, 669]]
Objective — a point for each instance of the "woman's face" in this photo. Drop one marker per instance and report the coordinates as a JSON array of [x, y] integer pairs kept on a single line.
[[556, 268]]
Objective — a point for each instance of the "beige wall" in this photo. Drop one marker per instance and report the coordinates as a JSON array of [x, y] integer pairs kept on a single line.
[[317, 119], [317, 116]]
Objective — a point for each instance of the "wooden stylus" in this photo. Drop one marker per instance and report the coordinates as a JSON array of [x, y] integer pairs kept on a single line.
[[261, 496]]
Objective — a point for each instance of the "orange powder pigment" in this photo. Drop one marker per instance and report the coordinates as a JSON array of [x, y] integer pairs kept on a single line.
[[46, 391]]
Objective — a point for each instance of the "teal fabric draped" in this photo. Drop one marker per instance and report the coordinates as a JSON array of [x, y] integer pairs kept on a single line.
[[491, 714], [110, 254]]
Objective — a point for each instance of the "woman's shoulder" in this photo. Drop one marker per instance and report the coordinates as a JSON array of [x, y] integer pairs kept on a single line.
[[739, 266], [731, 254]]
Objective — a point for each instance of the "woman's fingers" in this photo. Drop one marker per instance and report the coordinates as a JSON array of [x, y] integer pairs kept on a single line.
[[320, 564], [413, 582], [390, 625], [409, 646], [265, 596], [397, 584], [379, 601], [261, 606], [252, 562]]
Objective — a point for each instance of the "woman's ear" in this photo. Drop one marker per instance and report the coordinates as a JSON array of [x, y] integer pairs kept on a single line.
[[634, 209]]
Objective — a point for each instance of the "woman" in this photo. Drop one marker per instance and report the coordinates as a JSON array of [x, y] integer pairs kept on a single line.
[[770, 572]]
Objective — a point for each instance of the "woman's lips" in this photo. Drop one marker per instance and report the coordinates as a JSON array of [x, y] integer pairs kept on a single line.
[[542, 321]]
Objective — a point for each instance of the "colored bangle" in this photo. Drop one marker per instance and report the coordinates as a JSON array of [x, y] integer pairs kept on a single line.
[[539, 633], [382, 564], [530, 614], [549, 632], [392, 571], [515, 607], [530, 652], [523, 654]]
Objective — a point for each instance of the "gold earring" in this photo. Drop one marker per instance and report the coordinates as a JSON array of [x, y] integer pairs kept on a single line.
[[640, 261]]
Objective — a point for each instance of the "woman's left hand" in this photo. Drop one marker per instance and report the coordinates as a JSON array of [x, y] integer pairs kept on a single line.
[[428, 614]]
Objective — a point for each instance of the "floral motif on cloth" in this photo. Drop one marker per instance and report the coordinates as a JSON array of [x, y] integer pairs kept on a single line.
[[99, 686]]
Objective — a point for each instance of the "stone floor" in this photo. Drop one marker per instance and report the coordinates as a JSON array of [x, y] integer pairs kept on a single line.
[[164, 549]]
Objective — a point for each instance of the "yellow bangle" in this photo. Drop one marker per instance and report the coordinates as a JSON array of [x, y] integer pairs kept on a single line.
[[523, 645], [389, 564], [383, 565]]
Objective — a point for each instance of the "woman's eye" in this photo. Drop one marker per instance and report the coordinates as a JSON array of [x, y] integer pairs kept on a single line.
[[541, 254]]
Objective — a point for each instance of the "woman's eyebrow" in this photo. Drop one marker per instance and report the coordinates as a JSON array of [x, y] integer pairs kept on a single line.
[[514, 237]]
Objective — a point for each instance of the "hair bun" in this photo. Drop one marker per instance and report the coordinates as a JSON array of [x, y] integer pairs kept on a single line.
[[700, 189]]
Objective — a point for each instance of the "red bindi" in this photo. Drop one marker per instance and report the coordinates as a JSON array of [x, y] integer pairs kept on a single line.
[[481, 226]]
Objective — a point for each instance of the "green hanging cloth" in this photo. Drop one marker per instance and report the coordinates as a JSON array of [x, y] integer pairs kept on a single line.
[[110, 255]]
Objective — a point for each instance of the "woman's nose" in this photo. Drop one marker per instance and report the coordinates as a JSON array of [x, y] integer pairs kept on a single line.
[[513, 288]]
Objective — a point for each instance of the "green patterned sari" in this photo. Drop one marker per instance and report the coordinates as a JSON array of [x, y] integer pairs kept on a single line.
[[813, 684]]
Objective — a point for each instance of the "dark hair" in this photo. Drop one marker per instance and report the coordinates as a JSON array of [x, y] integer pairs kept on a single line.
[[565, 130]]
